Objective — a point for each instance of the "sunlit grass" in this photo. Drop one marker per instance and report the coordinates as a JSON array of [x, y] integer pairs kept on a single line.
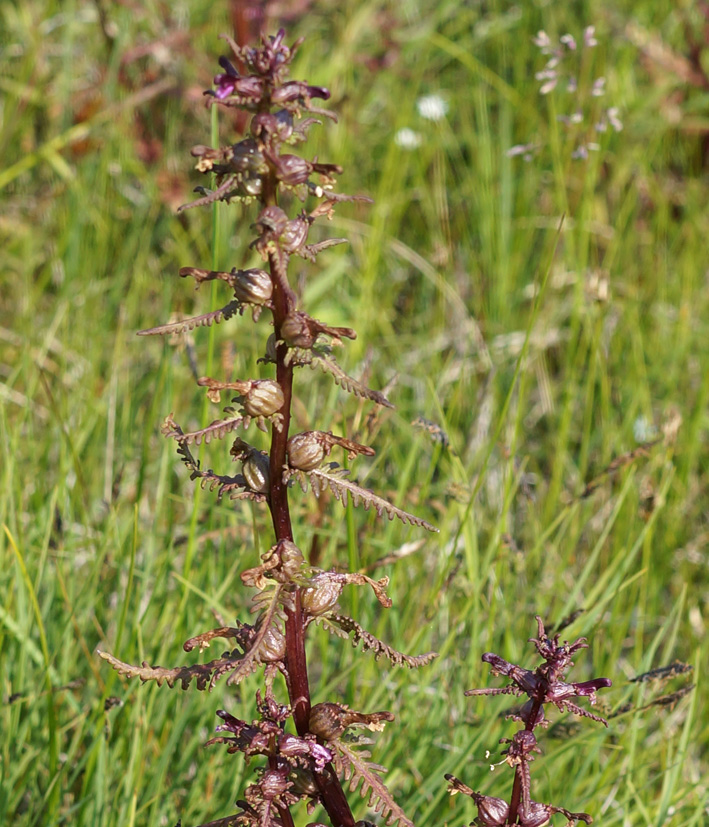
[[106, 541]]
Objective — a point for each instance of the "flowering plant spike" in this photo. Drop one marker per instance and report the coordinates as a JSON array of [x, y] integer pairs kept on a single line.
[[305, 754], [544, 685]]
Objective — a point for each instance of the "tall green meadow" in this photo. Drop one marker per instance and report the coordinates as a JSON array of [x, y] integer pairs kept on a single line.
[[531, 289]]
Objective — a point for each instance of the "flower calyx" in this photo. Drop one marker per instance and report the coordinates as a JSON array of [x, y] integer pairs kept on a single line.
[[308, 449], [328, 721], [494, 812], [255, 466], [323, 590], [252, 287], [283, 563], [298, 330], [260, 399], [544, 684]]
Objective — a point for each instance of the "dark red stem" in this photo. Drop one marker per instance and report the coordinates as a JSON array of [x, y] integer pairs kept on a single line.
[[516, 796], [331, 792]]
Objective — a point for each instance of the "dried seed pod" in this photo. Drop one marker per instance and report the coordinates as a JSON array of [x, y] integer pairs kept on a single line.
[[291, 558], [306, 451], [247, 158], [296, 332], [295, 233], [252, 286], [326, 721], [255, 468], [321, 595], [264, 398], [273, 648], [271, 221]]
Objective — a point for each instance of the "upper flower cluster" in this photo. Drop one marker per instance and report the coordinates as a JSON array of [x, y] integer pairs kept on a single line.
[[266, 84], [545, 684], [245, 169]]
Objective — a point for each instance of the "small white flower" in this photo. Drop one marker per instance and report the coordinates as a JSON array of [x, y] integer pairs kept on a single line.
[[519, 149], [432, 107], [568, 41], [589, 37], [542, 40], [614, 120], [571, 84], [407, 139], [643, 429], [581, 153], [599, 87]]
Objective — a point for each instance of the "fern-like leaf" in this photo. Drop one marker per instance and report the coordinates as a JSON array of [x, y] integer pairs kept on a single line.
[[205, 320], [352, 764], [201, 673], [333, 477], [217, 429], [204, 640], [344, 626], [322, 361], [256, 654], [225, 190], [235, 486]]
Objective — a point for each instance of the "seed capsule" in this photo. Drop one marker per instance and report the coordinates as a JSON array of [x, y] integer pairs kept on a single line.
[[305, 451], [273, 647], [303, 782], [291, 558], [247, 158], [271, 220], [255, 469], [296, 332], [321, 595], [263, 399], [326, 721], [252, 286]]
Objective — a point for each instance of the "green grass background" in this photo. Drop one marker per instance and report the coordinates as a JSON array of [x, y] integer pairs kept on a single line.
[[462, 288]]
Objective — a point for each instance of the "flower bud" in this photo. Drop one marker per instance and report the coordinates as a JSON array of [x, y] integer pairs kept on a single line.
[[274, 783], [255, 469], [305, 451], [252, 286], [263, 399], [321, 595]]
